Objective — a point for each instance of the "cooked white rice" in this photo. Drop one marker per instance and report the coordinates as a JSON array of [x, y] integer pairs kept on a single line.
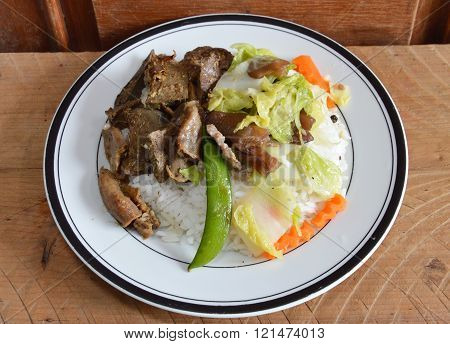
[[182, 207]]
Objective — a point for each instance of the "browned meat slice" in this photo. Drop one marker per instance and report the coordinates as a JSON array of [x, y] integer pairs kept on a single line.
[[157, 155], [227, 152], [267, 66], [145, 120], [306, 120], [189, 133], [166, 80], [133, 88], [250, 137], [207, 65], [147, 222], [248, 142], [116, 115], [295, 135], [258, 159], [167, 110], [244, 139], [115, 146], [126, 204], [135, 195], [194, 92], [225, 122], [120, 206], [141, 122], [307, 137], [173, 170]]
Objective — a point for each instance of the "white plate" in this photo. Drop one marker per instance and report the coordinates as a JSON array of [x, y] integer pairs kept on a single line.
[[155, 272]]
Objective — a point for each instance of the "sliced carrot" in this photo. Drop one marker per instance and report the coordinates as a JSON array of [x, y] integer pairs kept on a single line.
[[267, 255], [331, 208], [307, 231], [292, 239], [283, 243], [339, 201], [306, 67], [330, 103]]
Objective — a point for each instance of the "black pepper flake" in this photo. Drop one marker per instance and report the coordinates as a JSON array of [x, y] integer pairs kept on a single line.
[[334, 118]]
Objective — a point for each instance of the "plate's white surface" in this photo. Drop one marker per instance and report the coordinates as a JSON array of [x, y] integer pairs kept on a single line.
[[148, 269]]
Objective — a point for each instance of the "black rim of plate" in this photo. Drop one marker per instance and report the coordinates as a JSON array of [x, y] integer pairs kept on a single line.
[[264, 306]]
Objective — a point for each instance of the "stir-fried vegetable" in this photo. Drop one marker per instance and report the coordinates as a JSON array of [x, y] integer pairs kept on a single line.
[[239, 80], [245, 51], [278, 105], [262, 216], [218, 211], [256, 239], [274, 101], [292, 238], [229, 100], [308, 69], [322, 176]]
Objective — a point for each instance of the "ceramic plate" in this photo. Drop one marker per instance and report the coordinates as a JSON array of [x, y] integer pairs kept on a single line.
[[155, 272]]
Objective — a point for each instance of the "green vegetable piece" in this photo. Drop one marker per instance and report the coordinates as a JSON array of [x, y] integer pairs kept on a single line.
[[323, 176], [192, 173], [218, 210], [251, 233], [245, 51], [229, 100], [278, 105]]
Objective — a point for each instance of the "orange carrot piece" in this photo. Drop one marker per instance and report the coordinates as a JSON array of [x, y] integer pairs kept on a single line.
[[331, 208], [291, 239], [330, 103], [267, 255], [307, 231], [339, 201], [283, 243], [320, 220], [306, 67]]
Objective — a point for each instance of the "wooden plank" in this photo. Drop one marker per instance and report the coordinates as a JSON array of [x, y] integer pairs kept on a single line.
[[81, 25], [358, 23], [56, 24], [48, 25], [431, 22], [405, 281], [19, 22]]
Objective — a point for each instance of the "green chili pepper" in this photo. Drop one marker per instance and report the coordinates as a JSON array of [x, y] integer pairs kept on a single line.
[[218, 209]]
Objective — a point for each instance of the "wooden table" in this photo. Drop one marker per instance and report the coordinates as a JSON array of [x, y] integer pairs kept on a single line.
[[406, 280]]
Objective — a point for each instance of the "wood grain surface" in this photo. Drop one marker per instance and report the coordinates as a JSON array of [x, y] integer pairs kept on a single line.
[[349, 22], [90, 25], [405, 281]]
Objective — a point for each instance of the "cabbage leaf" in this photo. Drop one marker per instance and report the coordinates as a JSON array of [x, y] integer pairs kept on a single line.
[[278, 105], [322, 176], [264, 214], [245, 51], [229, 100]]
